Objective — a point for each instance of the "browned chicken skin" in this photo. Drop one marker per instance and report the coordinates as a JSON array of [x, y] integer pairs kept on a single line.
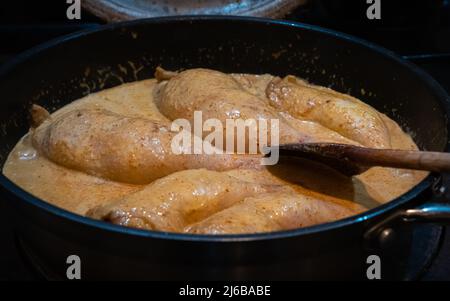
[[346, 115], [271, 212], [124, 149], [198, 194], [218, 95]]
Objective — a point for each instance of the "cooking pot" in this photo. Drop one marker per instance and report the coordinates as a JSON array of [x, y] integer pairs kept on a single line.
[[70, 67]]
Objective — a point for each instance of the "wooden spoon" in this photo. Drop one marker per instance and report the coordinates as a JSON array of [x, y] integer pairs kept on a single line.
[[352, 160]]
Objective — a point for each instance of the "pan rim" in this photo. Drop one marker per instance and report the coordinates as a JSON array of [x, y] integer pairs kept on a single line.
[[365, 216]]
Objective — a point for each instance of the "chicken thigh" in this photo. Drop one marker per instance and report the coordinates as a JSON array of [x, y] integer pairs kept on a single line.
[[220, 96], [271, 212], [124, 149], [182, 198], [341, 113]]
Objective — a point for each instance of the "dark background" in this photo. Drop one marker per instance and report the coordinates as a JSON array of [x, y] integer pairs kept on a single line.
[[417, 30]]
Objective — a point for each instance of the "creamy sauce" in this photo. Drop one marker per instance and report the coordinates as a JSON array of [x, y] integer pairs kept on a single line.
[[79, 192]]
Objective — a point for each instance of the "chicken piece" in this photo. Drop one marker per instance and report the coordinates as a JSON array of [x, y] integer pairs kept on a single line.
[[257, 85], [38, 115], [271, 212], [254, 84], [344, 114], [220, 96], [125, 149], [162, 74], [182, 198], [316, 130]]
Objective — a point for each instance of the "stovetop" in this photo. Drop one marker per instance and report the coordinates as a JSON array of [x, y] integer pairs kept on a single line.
[[425, 40]]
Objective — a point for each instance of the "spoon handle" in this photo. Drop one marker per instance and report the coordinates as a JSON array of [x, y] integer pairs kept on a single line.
[[420, 160]]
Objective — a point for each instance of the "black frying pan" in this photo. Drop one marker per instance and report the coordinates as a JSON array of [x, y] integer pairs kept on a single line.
[[63, 70]]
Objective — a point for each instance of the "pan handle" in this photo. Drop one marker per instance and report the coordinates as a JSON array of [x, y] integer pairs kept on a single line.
[[384, 233], [428, 212], [436, 211]]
